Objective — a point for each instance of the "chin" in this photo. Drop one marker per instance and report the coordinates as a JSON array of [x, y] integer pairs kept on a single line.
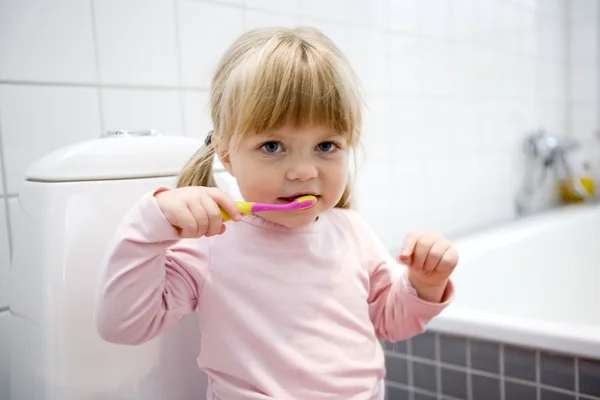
[[293, 222]]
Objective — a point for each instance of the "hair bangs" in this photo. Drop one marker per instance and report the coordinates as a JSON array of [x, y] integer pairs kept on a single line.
[[291, 81]]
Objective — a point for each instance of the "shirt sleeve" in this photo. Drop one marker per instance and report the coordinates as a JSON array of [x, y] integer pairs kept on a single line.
[[149, 278], [396, 311]]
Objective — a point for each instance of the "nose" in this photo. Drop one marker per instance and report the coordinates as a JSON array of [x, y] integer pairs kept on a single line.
[[302, 170]]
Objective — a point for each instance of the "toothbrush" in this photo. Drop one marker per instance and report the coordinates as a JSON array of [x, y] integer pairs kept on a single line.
[[249, 207]]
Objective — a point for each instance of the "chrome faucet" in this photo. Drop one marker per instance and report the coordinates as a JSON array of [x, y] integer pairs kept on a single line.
[[545, 152]]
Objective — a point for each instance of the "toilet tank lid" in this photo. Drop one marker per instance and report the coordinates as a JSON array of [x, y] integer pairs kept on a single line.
[[115, 156]]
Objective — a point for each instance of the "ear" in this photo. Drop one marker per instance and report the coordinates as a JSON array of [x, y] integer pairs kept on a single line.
[[225, 160]]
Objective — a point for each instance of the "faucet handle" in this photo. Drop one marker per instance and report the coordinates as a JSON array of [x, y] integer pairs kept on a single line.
[[542, 144]]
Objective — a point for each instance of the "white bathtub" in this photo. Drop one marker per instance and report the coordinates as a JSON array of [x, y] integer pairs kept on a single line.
[[534, 282]]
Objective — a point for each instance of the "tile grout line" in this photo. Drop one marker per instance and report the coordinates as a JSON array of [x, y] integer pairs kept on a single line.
[[469, 371], [501, 370], [97, 62], [180, 93], [194, 89], [538, 388], [577, 376], [412, 390], [99, 85], [438, 365], [9, 236], [568, 70], [596, 23], [410, 370]]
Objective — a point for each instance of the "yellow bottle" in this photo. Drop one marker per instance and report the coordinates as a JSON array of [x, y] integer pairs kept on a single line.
[[568, 193]]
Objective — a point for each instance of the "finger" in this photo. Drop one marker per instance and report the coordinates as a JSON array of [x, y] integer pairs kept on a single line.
[[421, 251], [223, 229], [197, 209], [215, 220], [449, 260], [435, 255], [409, 247], [186, 222], [225, 201]]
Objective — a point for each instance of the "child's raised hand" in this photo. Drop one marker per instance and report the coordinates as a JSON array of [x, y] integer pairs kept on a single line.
[[194, 210], [430, 260]]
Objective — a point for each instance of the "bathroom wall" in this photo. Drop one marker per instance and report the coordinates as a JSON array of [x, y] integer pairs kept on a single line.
[[584, 82], [451, 85]]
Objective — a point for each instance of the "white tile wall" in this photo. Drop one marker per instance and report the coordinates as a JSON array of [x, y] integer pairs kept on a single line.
[[38, 119], [136, 42], [205, 31], [4, 256], [197, 113], [4, 355], [584, 10], [452, 86], [405, 16], [47, 41], [368, 56], [288, 6], [1, 167], [583, 85], [132, 109], [259, 19]]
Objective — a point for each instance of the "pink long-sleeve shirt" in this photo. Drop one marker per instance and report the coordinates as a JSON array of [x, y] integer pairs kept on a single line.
[[284, 314]]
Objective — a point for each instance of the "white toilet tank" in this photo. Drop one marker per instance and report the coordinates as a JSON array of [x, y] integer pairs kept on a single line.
[[71, 202]]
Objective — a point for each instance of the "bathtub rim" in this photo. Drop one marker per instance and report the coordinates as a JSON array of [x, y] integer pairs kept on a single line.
[[573, 340], [577, 340]]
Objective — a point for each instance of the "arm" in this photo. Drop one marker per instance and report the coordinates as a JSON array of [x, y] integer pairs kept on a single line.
[[396, 309], [150, 279]]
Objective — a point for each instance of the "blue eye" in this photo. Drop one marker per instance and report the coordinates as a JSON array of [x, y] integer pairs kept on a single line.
[[271, 147], [327, 147]]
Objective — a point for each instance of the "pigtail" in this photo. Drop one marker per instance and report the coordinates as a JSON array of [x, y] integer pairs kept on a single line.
[[198, 171]]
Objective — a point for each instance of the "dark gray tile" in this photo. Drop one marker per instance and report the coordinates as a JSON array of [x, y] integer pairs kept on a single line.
[[519, 363], [397, 369], [485, 388], [387, 345], [454, 383], [394, 393], [557, 370], [453, 350], [425, 376], [423, 396], [589, 377], [485, 356], [517, 391], [423, 345], [400, 347], [552, 395]]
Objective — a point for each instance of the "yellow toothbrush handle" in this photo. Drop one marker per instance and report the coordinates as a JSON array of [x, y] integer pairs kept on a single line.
[[245, 208]]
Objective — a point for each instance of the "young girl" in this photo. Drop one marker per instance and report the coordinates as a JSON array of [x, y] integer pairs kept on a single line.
[[291, 303]]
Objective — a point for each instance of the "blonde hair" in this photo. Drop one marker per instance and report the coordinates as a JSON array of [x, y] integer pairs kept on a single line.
[[272, 77]]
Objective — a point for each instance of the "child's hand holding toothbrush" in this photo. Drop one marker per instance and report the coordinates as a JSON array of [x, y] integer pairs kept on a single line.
[[195, 211], [430, 259]]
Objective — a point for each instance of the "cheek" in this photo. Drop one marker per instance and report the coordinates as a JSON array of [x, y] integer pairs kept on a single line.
[[336, 176], [256, 182]]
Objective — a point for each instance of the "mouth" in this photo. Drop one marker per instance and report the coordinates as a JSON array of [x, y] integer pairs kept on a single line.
[[289, 199]]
